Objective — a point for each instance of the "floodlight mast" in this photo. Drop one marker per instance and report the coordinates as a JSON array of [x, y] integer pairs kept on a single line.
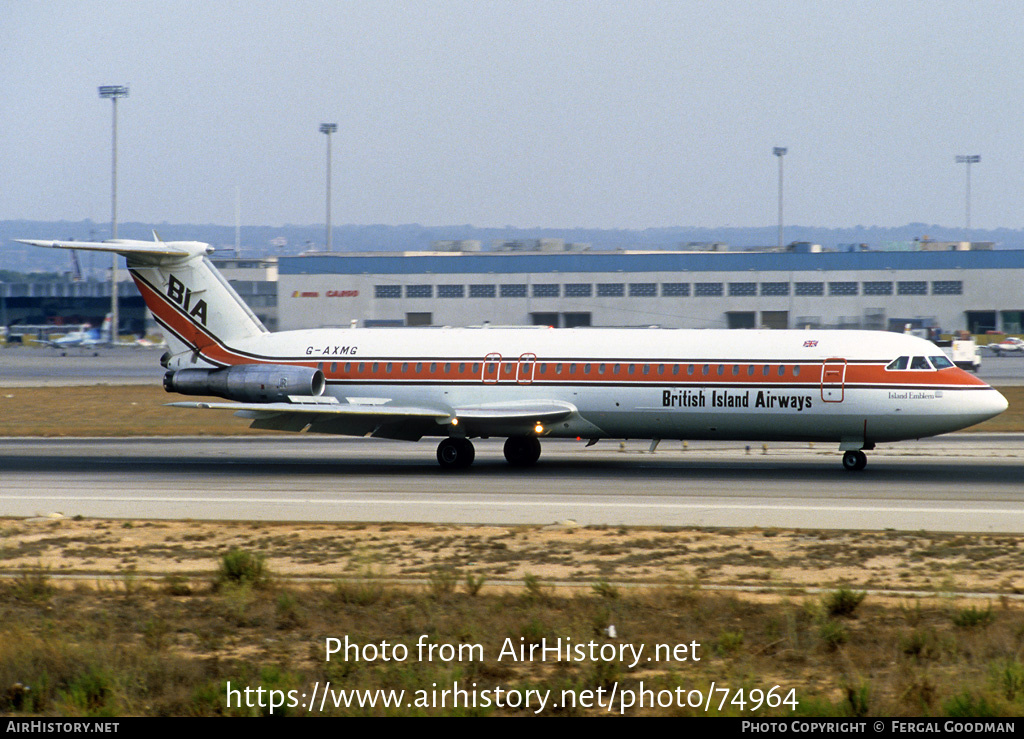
[[328, 128], [780, 151], [113, 92], [968, 159]]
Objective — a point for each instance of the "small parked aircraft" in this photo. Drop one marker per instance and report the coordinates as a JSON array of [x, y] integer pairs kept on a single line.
[[1009, 345], [85, 337]]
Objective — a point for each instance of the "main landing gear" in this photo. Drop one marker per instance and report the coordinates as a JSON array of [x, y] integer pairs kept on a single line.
[[456, 453], [522, 451], [855, 460]]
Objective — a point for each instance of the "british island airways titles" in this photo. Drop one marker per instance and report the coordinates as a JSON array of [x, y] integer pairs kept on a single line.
[[733, 399]]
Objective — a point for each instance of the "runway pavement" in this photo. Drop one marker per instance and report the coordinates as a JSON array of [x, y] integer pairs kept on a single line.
[[40, 367], [955, 483]]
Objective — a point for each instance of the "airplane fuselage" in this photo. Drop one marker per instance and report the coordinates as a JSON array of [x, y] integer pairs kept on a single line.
[[627, 383]]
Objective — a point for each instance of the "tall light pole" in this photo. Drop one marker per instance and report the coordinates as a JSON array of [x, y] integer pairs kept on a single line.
[[780, 151], [968, 159], [113, 92], [328, 128]]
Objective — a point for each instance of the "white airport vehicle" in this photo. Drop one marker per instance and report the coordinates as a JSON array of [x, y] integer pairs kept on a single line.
[[853, 388], [963, 353]]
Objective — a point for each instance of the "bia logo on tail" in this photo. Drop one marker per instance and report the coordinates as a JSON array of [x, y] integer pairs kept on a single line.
[[182, 295]]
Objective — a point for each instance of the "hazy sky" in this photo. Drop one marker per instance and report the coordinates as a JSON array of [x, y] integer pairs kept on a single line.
[[606, 114]]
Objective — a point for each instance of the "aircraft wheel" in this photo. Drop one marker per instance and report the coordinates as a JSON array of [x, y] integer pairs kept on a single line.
[[854, 461], [455, 454], [522, 451]]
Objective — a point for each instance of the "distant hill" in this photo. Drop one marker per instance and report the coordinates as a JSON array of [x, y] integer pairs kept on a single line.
[[292, 239]]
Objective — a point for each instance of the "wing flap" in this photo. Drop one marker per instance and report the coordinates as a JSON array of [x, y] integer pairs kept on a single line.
[[259, 410], [550, 410], [328, 416]]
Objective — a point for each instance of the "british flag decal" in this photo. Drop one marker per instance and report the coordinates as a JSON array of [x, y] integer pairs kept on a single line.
[[811, 342]]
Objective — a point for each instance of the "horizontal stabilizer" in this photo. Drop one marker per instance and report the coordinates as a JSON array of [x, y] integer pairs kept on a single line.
[[127, 247]]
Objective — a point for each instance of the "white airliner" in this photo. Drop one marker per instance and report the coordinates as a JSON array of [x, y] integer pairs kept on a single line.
[[854, 388]]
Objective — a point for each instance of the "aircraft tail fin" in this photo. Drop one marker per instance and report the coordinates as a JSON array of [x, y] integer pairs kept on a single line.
[[198, 309]]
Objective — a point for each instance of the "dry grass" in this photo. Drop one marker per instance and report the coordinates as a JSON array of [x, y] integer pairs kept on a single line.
[[108, 410], [176, 617], [148, 648], [773, 559]]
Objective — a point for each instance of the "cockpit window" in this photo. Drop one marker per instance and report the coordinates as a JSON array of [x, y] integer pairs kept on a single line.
[[941, 362], [919, 363], [900, 363]]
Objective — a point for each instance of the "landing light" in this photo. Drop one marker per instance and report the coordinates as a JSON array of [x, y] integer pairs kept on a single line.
[[455, 422], [538, 429]]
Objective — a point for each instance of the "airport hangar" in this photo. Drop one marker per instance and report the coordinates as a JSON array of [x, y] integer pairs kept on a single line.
[[949, 287]]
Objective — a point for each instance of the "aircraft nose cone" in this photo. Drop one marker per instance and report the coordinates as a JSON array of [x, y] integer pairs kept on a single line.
[[999, 403], [989, 404]]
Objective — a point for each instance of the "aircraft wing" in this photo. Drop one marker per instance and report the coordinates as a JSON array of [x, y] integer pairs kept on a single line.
[[377, 417]]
